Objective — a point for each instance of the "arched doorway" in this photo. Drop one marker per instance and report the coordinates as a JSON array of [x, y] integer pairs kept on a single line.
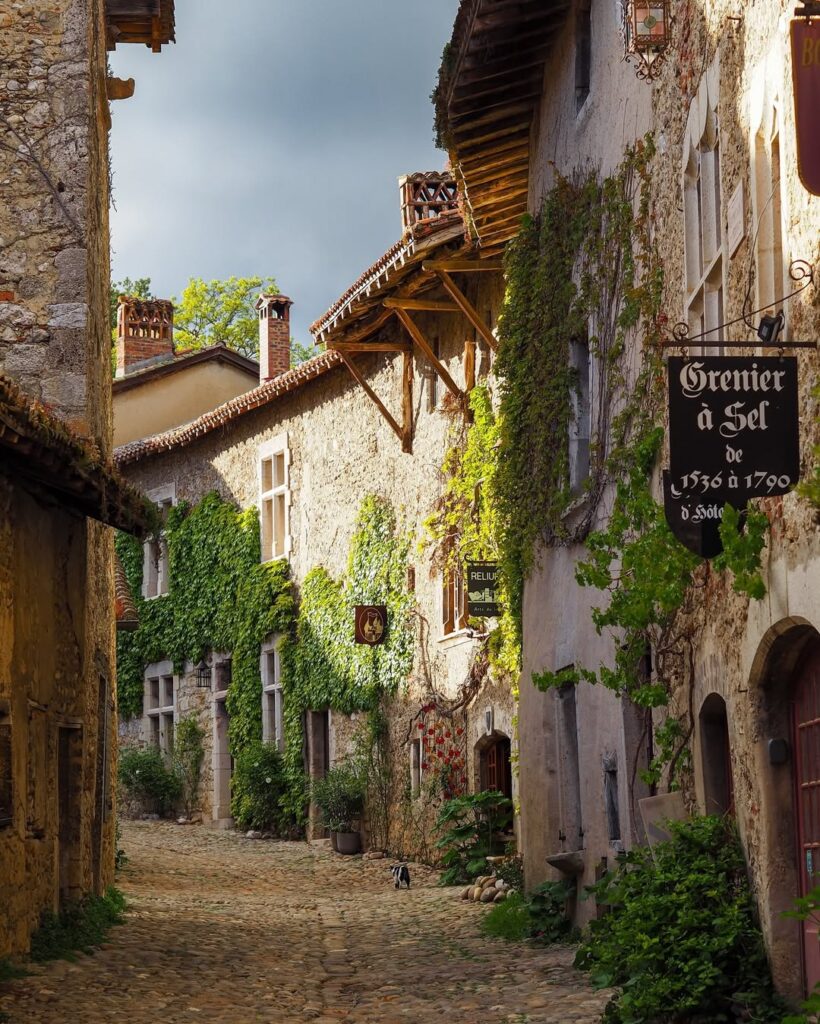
[[495, 769], [806, 739], [716, 760]]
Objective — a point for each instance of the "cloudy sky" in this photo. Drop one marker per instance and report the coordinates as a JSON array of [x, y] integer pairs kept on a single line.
[[268, 141]]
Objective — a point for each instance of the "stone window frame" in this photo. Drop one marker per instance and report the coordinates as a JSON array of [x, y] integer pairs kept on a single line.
[[155, 566], [770, 236], [159, 716], [273, 722], [454, 615], [274, 490], [703, 211]]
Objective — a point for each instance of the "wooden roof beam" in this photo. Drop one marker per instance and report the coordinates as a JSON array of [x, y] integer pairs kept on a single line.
[[456, 266], [415, 333], [402, 435], [468, 309], [429, 305], [345, 347]]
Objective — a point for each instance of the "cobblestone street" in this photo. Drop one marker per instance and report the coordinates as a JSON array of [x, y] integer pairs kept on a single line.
[[231, 930]]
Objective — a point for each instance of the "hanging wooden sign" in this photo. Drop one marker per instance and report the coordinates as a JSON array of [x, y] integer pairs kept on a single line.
[[733, 428], [482, 580], [805, 34], [371, 624]]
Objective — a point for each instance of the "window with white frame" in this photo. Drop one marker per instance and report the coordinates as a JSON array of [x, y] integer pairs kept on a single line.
[[453, 600], [273, 725], [159, 702], [768, 213], [703, 216], [274, 498], [155, 574]]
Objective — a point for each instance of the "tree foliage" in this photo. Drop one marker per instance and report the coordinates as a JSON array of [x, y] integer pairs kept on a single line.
[[220, 313]]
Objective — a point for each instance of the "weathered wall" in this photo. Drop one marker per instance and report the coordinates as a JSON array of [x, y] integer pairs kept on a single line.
[[341, 450], [50, 671], [166, 402], [54, 259]]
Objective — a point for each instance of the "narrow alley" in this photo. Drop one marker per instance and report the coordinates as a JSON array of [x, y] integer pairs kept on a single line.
[[231, 930]]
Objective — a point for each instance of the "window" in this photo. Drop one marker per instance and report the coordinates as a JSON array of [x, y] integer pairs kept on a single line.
[[613, 815], [158, 705], [702, 211], [716, 759], [583, 53], [273, 727], [274, 498], [580, 427], [768, 215], [454, 601], [155, 576], [416, 767]]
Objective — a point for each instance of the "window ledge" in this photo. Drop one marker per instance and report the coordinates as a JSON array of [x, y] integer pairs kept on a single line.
[[460, 636], [275, 558]]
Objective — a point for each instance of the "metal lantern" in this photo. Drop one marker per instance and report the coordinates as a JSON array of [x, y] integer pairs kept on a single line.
[[203, 675], [646, 33]]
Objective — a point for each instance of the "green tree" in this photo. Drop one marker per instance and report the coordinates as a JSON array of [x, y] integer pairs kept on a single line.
[[139, 288], [220, 312]]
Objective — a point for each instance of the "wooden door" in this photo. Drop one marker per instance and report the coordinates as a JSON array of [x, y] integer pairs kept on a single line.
[[807, 772]]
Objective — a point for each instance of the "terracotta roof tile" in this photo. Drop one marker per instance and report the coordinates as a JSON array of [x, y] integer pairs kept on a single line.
[[265, 394]]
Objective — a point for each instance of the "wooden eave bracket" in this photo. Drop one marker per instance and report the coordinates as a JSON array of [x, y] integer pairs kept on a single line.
[[442, 268], [415, 333], [405, 432]]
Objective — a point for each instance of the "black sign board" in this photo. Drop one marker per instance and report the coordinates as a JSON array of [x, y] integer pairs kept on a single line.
[[482, 580], [733, 428], [371, 624], [695, 521]]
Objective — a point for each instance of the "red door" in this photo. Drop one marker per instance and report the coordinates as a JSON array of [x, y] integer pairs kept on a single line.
[[807, 768]]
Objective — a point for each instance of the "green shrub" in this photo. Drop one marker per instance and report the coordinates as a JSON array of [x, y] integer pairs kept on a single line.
[[340, 796], [548, 912], [80, 926], [681, 939], [260, 785], [511, 871], [10, 971], [509, 920], [188, 754], [145, 776], [468, 827], [807, 908]]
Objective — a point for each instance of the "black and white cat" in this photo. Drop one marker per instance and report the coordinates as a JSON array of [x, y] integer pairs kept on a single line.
[[401, 874]]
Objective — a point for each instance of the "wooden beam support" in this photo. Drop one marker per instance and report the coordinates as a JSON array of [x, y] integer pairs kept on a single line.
[[359, 378], [407, 402], [431, 305], [421, 341], [343, 347], [468, 309], [461, 267]]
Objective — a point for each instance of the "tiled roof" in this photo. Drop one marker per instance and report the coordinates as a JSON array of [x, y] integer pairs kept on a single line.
[[42, 453], [181, 361], [399, 258], [266, 393]]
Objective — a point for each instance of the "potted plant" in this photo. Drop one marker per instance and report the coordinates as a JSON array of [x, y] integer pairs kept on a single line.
[[340, 799]]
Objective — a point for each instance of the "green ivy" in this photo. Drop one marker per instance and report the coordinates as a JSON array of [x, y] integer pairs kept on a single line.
[[220, 598], [743, 543], [323, 667], [810, 488]]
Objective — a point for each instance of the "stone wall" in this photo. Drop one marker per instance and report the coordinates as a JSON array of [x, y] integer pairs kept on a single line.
[[54, 258], [341, 450]]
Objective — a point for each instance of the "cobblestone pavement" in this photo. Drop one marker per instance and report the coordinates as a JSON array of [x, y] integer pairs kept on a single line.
[[228, 930]]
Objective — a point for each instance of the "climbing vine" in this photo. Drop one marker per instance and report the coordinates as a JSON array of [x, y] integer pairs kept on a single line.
[[323, 667], [220, 598]]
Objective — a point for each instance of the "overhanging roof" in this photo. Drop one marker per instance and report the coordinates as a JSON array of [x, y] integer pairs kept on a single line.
[[488, 96], [151, 22]]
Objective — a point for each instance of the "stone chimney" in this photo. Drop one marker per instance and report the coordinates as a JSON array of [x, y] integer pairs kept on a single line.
[[426, 196], [145, 333], [274, 335]]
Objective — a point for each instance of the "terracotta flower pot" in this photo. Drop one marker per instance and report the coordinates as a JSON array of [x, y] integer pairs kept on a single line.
[[348, 842]]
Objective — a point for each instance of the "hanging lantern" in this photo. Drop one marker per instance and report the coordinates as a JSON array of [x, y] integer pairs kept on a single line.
[[203, 675], [646, 34]]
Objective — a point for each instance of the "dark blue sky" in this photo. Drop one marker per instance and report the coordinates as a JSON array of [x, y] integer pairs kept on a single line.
[[268, 141]]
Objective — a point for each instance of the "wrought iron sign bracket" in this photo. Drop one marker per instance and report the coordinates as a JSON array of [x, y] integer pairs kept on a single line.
[[810, 9], [799, 271]]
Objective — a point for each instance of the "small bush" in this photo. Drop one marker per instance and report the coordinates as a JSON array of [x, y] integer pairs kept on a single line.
[[548, 912], [468, 827], [260, 791], [80, 926], [509, 920], [681, 939], [511, 871], [340, 797], [144, 776], [10, 971]]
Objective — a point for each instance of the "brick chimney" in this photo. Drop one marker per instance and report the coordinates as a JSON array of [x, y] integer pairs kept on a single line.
[[145, 333], [274, 335]]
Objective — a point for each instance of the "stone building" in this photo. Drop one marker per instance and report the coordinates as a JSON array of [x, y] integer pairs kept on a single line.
[[729, 217], [372, 415], [59, 493]]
